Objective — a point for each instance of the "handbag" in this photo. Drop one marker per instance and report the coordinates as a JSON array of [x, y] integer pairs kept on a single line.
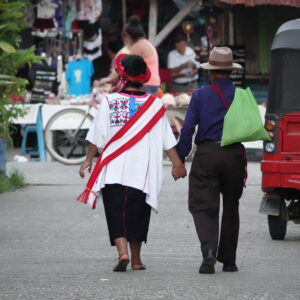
[[242, 122]]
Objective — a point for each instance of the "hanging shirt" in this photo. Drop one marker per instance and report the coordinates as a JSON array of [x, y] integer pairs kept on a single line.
[[141, 166], [46, 9], [89, 10], [69, 13], [79, 73], [93, 48]]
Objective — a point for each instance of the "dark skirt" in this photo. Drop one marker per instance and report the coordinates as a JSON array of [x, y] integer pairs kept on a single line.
[[127, 213]]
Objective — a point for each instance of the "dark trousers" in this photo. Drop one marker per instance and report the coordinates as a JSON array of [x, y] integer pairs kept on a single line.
[[127, 213], [217, 170]]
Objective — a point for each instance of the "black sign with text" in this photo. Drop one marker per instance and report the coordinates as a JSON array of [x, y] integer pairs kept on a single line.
[[239, 56]]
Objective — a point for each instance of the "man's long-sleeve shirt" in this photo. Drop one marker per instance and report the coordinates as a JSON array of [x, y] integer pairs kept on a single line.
[[206, 110]]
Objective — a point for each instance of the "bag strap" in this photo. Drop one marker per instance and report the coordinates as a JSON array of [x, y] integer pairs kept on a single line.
[[220, 94]]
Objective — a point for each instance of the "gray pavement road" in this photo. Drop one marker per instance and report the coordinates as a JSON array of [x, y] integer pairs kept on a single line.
[[52, 247]]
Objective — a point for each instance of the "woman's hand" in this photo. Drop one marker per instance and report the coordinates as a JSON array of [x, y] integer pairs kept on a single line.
[[86, 165]]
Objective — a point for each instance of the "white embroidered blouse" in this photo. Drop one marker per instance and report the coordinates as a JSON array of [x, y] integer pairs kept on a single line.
[[141, 166]]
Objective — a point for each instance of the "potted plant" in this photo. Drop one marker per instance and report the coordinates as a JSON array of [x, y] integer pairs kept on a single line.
[[12, 88]]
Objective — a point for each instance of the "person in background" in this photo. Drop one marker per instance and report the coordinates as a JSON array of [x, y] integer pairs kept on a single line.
[[215, 170], [139, 45], [136, 43], [131, 130], [114, 48], [183, 66]]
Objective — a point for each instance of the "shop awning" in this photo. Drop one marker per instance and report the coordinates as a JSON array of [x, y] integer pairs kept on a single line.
[[294, 3]]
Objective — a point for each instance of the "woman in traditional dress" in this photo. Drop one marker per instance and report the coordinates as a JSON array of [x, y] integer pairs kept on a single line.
[[130, 131]]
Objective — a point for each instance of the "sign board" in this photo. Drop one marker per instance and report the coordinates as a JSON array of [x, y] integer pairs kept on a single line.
[[239, 56]]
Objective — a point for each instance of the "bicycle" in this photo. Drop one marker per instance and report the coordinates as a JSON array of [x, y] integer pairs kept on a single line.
[[65, 134]]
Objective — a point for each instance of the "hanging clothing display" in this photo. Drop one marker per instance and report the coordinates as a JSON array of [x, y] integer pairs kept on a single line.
[[45, 14], [89, 10], [66, 48], [46, 9], [78, 75], [93, 48], [69, 13], [92, 39], [58, 17]]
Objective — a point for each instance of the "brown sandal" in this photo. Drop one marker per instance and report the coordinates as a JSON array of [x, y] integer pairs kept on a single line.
[[140, 267]]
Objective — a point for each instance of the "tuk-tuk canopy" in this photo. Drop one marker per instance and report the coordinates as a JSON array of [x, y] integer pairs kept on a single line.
[[284, 86], [287, 36]]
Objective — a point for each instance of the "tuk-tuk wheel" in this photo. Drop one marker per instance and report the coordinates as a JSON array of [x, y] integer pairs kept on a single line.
[[277, 227]]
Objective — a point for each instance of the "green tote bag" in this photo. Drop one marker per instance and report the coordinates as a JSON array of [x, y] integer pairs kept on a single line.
[[242, 122]]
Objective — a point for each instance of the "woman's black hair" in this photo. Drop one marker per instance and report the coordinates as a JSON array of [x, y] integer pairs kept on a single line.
[[134, 65], [133, 84], [134, 28]]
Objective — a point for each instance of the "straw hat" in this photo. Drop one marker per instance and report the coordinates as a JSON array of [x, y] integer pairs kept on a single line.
[[220, 58]]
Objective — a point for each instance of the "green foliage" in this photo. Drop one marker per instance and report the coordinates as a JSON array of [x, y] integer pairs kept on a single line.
[[12, 88], [14, 181], [7, 113], [4, 184]]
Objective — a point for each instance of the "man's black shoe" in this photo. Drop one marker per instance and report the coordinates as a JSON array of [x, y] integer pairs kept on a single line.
[[208, 263], [230, 268]]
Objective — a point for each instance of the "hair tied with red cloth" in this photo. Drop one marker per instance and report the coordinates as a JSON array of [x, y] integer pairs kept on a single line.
[[120, 69]]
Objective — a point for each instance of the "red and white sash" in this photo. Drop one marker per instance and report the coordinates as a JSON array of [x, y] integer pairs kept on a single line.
[[133, 131]]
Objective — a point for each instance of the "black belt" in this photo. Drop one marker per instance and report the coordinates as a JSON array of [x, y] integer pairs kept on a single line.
[[185, 83], [209, 142]]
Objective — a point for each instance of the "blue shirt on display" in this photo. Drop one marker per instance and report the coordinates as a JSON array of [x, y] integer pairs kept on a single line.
[[206, 110], [79, 73]]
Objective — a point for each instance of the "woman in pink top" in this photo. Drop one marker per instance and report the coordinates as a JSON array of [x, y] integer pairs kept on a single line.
[[139, 45]]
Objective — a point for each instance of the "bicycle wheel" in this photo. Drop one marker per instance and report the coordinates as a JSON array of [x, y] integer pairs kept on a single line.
[[65, 135]]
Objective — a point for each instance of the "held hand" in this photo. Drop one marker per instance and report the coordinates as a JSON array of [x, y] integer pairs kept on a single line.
[[86, 165], [179, 171], [182, 171]]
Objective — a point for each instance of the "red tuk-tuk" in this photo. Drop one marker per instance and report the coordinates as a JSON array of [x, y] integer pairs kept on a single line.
[[280, 165]]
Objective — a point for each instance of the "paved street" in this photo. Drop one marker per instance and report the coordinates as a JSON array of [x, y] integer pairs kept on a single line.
[[53, 247]]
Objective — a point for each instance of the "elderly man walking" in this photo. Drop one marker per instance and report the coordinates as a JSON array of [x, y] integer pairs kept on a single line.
[[215, 170]]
